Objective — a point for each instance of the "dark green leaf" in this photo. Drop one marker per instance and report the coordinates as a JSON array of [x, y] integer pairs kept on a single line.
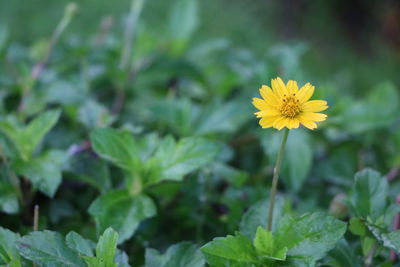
[[368, 194], [257, 215], [343, 255], [298, 157]]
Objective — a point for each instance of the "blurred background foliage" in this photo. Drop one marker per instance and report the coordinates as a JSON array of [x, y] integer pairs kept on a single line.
[[191, 70]]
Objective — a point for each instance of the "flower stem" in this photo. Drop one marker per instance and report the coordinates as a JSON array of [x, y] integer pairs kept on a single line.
[[277, 169]]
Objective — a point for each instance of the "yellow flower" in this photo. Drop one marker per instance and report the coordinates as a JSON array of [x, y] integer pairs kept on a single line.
[[287, 106]]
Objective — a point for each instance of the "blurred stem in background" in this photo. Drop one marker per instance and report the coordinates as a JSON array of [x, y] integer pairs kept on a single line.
[[275, 178], [37, 70], [126, 54]]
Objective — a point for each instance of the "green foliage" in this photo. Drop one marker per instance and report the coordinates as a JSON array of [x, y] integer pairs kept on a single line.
[[44, 171], [178, 255], [27, 138], [294, 242], [368, 196], [105, 250], [121, 211], [298, 157], [48, 248], [8, 252], [132, 130]]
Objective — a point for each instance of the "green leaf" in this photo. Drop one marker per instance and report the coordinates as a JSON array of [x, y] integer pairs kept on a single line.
[[298, 157], [105, 250], [121, 211], [92, 170], [264, 242], [392, 240], [178, 255], [368, 194], [309, 237], [8, 193], [44, 172], [343, 255], [180, 158], [26, 139], [358, 227], [379, 109], [8, 252], [257, 215], [49, 249], [93, 115], [33, 134], [183, 21], [236, 249], [77, 242], [118, 147]]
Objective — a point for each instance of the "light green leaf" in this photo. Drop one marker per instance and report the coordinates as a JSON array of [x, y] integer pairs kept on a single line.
[[38, 128], [305, 243], [121, 211], [368, 194], [180, 158], [44, 172], [237, 250], [118, 147], [8, 252], [77, 242], [105, 250], [264, 242], [48, 249], [178, 255], [358, 227], [26, 139]]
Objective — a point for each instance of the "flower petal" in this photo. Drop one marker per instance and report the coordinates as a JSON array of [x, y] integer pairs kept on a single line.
[[267, 122], [279, 87], [314, 116], [307, 123], [260, 104], [305, 92], [269, 96], [267, 113], [280, 123], [315, 106], [292, 87], [293, 124]]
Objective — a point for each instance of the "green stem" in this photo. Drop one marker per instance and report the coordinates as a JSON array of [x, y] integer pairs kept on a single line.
[[277, 169]]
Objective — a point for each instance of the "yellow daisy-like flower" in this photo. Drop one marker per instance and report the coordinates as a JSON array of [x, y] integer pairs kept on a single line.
[[287, 106]]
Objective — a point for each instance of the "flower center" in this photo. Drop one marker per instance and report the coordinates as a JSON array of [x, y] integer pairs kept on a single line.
[[290, 107]]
